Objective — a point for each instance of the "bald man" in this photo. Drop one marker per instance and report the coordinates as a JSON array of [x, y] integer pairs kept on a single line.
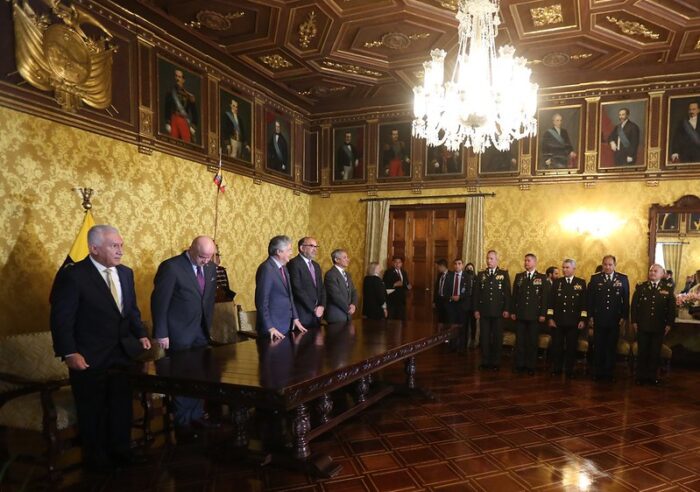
[[182, 305]]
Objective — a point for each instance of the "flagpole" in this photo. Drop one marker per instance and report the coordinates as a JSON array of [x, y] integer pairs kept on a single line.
[[216, 206]]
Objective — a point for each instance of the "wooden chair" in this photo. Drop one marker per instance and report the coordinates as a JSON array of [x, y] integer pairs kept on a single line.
[[35, 394], [246, 323], [225, 325], [509, 341], [582, 353], [544, 342]]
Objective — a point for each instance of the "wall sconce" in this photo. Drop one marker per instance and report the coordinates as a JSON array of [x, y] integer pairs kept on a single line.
[[596, 224]]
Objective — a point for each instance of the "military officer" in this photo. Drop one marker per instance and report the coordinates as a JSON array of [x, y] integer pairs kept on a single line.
[[529, 308], [491, 305], [608, 308], [653, 313], [566, 316]]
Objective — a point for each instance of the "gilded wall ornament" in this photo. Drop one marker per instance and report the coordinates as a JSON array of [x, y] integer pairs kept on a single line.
[[590, 160], [653, 159], [351, 69], [322, 90], [697, 45], [308, 30], [545, 16], [449, 4], [396, 40], [61, 57], [632, 28], [275, 62], [215, 21], [557, 59]]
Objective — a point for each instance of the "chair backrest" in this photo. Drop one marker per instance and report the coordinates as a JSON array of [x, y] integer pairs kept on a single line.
[[225, 323], [247, 320], [31, 356]]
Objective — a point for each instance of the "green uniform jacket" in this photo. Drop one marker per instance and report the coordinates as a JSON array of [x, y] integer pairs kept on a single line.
[[492, 293], [530, 296], [653, 309]]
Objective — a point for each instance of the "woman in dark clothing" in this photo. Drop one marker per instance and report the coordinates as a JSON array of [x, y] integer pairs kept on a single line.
[[374, 292]]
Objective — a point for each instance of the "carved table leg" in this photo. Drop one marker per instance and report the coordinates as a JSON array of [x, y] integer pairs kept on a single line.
[[324, 407], [300, 428], [362, 388], [240, 421], [411, 373]]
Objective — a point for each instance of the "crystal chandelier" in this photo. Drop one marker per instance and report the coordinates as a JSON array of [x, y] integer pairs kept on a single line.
[[489, 99]]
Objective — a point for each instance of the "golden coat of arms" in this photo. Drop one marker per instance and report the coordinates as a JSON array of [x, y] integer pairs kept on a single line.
[[61, 57]]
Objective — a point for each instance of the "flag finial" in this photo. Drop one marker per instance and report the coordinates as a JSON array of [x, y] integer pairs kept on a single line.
[[86, 195]]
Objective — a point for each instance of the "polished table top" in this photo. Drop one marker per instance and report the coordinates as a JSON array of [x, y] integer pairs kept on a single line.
[[292, 370]]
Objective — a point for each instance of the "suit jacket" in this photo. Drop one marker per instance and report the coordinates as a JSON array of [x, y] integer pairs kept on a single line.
[[273, 160], [374, 297], [86, 320], [631, 131], [608, 302], [653, 309], [465, 289], [307, 296], [685, 141], [492, 293], [179, 311], [398, 297], [441, 297], [556, 150], [567, 302], [274, 300], [342, 159], [339, 296], [530, 296]]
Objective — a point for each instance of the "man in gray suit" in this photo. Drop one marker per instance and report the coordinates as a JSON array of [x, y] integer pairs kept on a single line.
[[274, 300], [182, 305], [341, 295]]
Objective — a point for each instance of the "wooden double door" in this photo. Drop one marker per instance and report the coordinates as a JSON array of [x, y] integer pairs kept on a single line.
[[422, 234]]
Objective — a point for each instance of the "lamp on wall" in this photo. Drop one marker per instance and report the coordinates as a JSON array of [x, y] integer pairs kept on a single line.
[[596, 224], [488, 101]]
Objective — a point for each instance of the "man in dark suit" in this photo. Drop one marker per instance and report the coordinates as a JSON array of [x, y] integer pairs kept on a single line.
[[557, 150], [653, 313], [341, 295], [396, 278], [307, 283], [274, 299], [491, 305], [624, 139], [182, 306], [608, 308], [347, 160], [441, 291], [278, 151], [530, 291], [685, 144], [567, 316], [93, 309], [460, 283]]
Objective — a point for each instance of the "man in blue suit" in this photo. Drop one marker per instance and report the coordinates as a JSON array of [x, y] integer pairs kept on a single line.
[[274, 300], [182, 305], [93, 308]]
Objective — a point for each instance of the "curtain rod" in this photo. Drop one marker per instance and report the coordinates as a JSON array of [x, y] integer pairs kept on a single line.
[[420, 197]]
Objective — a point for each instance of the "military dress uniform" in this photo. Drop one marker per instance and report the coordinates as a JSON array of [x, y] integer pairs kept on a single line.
[[653, 309], [457, 311], [530, 293], [608, 304], [567, 308], [491, 298]]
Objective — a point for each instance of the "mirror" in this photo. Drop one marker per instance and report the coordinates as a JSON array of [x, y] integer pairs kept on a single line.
[[674, 238]]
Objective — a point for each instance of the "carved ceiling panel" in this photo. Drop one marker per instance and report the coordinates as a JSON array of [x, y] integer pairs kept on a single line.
[[338, 55]]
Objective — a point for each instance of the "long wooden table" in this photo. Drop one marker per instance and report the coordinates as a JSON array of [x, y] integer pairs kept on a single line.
[[296, 375]]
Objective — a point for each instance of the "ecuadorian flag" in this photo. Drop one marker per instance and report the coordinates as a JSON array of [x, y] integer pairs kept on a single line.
[[79, 250]]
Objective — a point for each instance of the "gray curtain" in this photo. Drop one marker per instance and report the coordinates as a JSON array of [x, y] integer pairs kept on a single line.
[[672, 259], [473, 241], [377, 236]]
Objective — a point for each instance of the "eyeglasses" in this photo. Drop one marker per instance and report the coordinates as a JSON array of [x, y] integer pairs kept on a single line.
[[312, 245]]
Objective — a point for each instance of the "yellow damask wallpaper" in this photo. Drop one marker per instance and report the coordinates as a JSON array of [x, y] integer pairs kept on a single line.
[[158, 202]]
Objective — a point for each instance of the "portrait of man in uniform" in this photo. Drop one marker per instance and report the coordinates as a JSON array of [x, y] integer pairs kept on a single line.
[[179, 100], [440, 161], [623, 134], [494, 161], [348, 145], [394, 150], [279, 150], [683, 130], [236, 127], [559, 138]]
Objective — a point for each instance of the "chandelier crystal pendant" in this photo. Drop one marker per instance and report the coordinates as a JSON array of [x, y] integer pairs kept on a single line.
[[489, 101]]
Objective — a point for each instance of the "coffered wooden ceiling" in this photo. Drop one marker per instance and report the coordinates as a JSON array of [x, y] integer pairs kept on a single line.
[[334, 55]]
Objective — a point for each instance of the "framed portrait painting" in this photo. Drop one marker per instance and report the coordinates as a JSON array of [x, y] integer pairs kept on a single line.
[[236, 127], [394, 151], [179, 103], [683, 131], [278, 142], [693, 223], [348, 154], [439, 161], [494, 162], [623, 132], [559, 139]]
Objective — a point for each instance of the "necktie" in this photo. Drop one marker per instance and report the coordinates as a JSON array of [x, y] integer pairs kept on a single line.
[[455, 288], [345, 277], [529, 276], [491, 272], [312, 272], [284, 277], [568, 280], [200, 279], [653, 285], [608, 277], [112, 287], [441, 290], [398, 272]]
